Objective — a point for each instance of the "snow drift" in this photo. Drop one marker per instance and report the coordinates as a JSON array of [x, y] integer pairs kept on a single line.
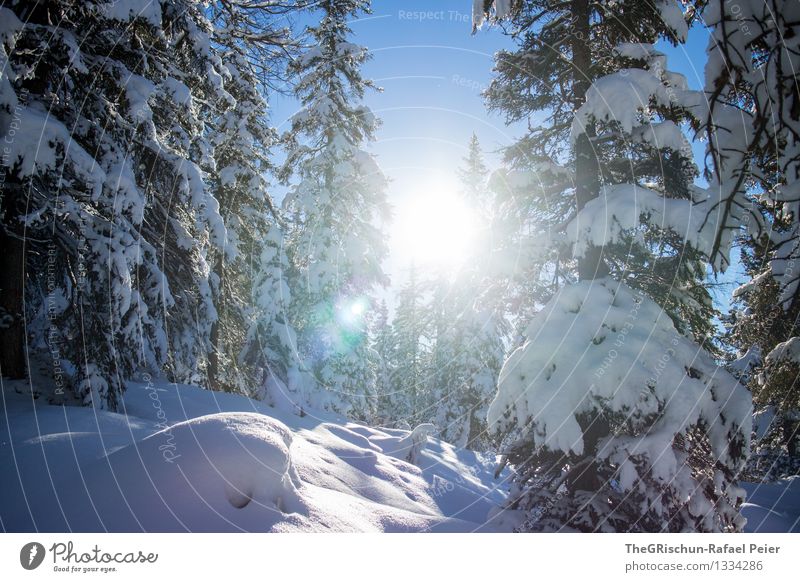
[[185, 459]]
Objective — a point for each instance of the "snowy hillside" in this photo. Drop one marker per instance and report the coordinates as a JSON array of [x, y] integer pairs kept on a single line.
[[189, 459], [183, 458]]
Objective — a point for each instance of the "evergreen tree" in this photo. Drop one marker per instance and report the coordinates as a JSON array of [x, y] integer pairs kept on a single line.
[[613, 418], [247, 36], [409, 402], [270, 347], [467, 325], [753, 164], [110, 224], [383, 354], [474, 175], [764, 336], [467, 356], [335, 246]]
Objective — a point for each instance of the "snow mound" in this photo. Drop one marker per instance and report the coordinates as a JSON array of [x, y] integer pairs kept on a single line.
[[186, 459], [414, 443], [236, 466]]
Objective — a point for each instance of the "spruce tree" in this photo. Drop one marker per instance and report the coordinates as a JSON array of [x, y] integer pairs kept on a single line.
[[246, 37], [753, 163], [337, 198], [764, 337], [468, 330], [105, 208], [384, 361], [410, 386], [613, 418]]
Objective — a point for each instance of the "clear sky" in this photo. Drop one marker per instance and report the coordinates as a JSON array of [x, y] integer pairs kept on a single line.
[[432, 71]]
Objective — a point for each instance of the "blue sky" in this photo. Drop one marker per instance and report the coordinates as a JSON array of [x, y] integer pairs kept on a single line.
[[432, 71]]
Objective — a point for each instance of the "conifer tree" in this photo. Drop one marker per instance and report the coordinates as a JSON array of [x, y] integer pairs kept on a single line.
[[614, 418], [752, 122], [337, 199], [250, 39], [409, 399], [384, 360], [764, 337], [111, 224], [467, 330]]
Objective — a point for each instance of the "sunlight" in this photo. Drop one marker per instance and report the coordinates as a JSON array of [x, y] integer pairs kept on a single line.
[[434, 227], [351, 312]]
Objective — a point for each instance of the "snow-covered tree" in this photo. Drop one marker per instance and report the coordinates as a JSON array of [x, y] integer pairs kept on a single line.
[[467, 324], [270, 347], [474, 174], [409, 399], [383, 355], [753, 162], [614, 418], [337, 199], [105, 205], [466, 359], [764, 337], [752, 122], [626, 424], [246, 36]]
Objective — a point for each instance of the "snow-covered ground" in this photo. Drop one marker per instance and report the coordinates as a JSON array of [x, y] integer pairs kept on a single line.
[[181, 458], [773, 507]]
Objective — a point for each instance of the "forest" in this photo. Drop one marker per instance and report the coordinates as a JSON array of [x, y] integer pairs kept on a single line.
[[215, 317]]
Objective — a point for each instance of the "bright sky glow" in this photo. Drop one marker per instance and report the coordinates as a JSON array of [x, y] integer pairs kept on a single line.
[[434, 227]]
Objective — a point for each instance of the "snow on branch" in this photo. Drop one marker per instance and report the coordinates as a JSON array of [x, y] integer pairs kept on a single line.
[[491, 11], [622, 208]]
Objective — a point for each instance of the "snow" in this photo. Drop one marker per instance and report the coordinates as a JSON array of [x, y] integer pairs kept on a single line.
[[636, 50], [570, 354], [125, 10], [138, 91], [752, 284], [499, 9], [663, 135], [181, 458], [672, 15], [621, 97], [412, 445], [743, 365], [773, 507], [601, 345], [621, 208], [39, 142], [178, 91], [788, 350]]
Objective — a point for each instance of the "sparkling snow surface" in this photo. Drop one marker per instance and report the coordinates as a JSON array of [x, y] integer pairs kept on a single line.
[[182, 458]]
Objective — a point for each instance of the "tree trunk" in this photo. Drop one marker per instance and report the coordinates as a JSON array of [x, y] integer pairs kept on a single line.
[[213, 356], [587, 183], [790, 432], [12, 292]]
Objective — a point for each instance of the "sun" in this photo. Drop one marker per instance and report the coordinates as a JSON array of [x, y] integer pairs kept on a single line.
[[434, 226]]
